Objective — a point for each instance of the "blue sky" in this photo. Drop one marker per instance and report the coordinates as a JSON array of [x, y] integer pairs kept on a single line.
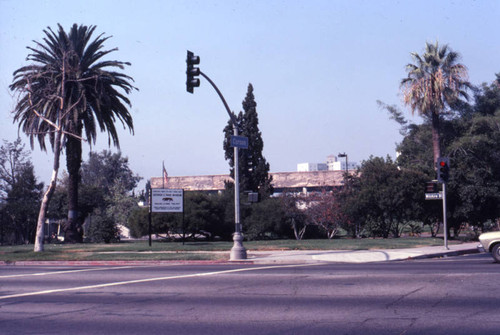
[[317, 67]]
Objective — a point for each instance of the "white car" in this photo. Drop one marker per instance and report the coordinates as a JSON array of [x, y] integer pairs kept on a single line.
[[490, 242]]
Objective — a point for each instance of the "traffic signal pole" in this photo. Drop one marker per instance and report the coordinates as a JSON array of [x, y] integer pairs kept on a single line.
[[238, 251], [231, 114], [445, 225]]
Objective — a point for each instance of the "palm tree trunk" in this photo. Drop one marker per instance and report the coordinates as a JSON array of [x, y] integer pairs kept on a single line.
[[73, 232], [48, 195], [436, 148]]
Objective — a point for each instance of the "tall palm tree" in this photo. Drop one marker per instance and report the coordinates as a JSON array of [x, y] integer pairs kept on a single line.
[[435, 82], [66, 94]]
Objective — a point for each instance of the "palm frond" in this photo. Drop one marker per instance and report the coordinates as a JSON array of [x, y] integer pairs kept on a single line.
[[94, 95]]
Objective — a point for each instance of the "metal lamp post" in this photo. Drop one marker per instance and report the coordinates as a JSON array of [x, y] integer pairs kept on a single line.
[[346, 163], [345, 183]]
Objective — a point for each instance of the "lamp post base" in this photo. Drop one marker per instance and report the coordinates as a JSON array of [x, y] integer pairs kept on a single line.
[[238, 251]]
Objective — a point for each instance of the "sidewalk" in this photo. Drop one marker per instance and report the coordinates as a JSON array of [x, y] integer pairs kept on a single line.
[[294, 256], [358, 256]]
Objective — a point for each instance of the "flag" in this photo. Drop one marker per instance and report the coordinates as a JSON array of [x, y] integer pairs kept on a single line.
[[165, 176]]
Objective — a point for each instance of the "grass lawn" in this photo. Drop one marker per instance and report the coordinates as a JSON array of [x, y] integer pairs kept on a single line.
[[140, 250]]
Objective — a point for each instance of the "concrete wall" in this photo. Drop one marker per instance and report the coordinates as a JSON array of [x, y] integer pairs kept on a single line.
[[281, 181]]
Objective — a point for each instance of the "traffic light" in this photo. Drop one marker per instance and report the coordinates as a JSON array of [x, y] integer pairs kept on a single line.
[[192, 71], [431, 187], [443, 169]]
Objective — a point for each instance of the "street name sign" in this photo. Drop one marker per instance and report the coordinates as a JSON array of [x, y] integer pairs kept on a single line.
[[164, 200], [239, 142], [433, 196]]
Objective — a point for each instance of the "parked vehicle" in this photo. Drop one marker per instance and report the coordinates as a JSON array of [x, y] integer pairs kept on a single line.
[[490, 242]]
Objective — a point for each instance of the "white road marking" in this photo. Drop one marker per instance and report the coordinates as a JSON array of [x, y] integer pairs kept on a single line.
[[204, 274], [64, 272]]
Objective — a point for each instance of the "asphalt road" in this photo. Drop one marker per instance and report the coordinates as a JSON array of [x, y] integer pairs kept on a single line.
[[455, 295]]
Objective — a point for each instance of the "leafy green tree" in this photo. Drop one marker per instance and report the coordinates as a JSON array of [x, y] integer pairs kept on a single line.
[[24, 198], [104, 220], [102, 228], [13, 157], [107, 194], [267, 220], [347, 198], [20, 194], [57, 210], [203, 215], [475, 153], [293, 215], [416, 154], [137, 222], [162, 223], [19, 210], [66, 95], [434, 83], [416, 149], [323, 209], [253, 167], [471, 137], [104, 169], [386, 198]]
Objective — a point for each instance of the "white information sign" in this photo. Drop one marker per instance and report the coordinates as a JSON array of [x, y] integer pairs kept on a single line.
[[167, 200]]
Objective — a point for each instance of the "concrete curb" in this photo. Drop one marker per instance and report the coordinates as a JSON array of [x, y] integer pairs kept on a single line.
[[450, 253], [362, 256]]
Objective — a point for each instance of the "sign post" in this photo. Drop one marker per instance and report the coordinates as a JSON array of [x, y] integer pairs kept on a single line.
[[165, 200]]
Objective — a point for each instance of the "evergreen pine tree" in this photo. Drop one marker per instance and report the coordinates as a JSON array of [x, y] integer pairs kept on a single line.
[[254, 169]]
